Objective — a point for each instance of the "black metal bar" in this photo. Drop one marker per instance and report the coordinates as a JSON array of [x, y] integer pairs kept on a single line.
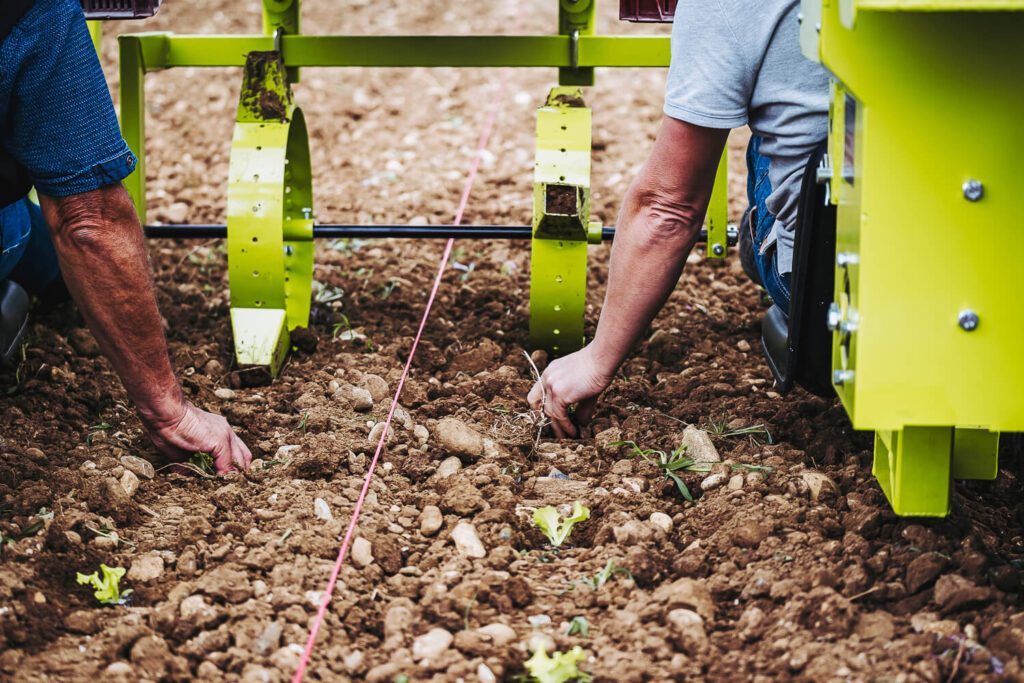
[[336, 231]]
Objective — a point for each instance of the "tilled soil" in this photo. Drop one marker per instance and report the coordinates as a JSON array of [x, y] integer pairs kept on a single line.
[[788, 565]]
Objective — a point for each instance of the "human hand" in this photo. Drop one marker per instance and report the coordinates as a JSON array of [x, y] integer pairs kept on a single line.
[[576, 380], [195, 430]]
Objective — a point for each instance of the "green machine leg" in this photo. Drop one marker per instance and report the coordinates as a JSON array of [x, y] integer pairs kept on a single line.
[[913, 468], [270, 217], [718, 212], [284, 16], [133, 115], [561, 223], [575, 19]]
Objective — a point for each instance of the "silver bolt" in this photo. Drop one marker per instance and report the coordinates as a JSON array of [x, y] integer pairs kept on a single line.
[[800, 18], [968, 320], [848, 326], [846, 258], [834, 317], [718, 250], [841, 377], [973, 190]]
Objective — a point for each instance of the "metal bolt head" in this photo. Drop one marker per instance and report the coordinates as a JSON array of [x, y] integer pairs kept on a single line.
[[841, 377], [846, 258], [974, 190], [718, 250], [968, 320], [834, 317]]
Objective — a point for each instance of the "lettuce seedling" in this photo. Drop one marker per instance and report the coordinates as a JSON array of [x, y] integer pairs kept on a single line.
[[107, 589], [559, 668], [556, 528]]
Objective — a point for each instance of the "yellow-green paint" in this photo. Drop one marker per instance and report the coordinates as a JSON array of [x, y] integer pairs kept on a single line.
[[270, 222], [561, 222], [717, 220], [913, 120], [96, 33]]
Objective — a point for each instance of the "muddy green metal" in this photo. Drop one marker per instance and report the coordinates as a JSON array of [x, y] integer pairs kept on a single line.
[[280, 18], [270, 217], [924, 149], [576, 19], [561, 222]]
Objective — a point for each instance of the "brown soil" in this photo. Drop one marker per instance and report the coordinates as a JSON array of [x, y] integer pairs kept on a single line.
[[800, 572]]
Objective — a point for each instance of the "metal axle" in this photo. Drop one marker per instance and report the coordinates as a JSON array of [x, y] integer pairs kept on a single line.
[[336, 231]]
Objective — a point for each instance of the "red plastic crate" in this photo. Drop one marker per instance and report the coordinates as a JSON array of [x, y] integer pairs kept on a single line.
[[647, 10], [120, 9]]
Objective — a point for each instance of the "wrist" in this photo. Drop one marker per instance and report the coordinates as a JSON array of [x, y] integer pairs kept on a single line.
[[603, 362], [166, 410]]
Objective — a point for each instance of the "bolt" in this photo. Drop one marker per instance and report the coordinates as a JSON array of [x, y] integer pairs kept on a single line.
[[834, 317], [848, 326], [841, 377], [718, 250], [845, 258], [968, 320], [973, 190]]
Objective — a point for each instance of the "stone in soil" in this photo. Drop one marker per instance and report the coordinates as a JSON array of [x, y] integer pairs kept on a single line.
[[500, 634], [141, 467], [467, 541], [362, 552], [146, 568], [924, 569], [559, 490], [459, 439], [687, 629], [431, 644], [431, 520], [699, 445], [687, 593], [362, 400], [448, 467], [377, 387], [130, 482], [953, 592]]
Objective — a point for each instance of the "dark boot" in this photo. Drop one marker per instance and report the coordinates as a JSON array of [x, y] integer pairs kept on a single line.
[[14, 305]]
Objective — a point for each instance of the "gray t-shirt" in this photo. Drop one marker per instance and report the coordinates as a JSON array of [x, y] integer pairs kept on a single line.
[[738, 62]]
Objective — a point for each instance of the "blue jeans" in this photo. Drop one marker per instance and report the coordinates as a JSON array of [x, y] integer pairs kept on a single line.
[[28, 256], [759, 188]]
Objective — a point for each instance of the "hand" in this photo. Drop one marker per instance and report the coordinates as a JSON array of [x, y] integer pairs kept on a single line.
[[196, 430], [576, 380]]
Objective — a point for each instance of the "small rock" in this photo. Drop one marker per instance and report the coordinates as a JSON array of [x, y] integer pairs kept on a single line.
[[500, 634], [431, 520], [141, 467], [176, 212], [712, 481], [538, 620], [422, 435], [224, 394], [270, 639], [448, 467], [458, 438], [213, 368], [632, 533], [85, 621], [83, 342], [687, 631], [377, 432], [875, 626], [322, 510], [736, 482], [129, 482], [923, 570], [354, 660], [699, 446], [119, 671], [662, 521], [362, 400], [484, 673], [467, 542], [196, 611], [253, 673], [431, 644], [377, 387], [362, 552], [540, 641], [743, 345], [819, 485], [749, 534], [687, 593], [146, 568]]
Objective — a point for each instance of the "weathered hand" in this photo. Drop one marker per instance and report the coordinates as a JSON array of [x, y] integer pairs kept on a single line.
[[576, 380], [198, 431]]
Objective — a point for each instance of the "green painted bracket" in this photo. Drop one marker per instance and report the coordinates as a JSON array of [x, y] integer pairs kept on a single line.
[[270, 217], [575, 19], [718, 212], [561, 222], [913, 467], [285, 15]]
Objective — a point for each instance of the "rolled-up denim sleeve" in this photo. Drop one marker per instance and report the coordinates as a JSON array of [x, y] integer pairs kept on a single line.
[[58, 118]]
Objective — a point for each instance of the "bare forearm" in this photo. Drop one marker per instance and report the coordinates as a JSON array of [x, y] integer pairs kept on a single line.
[[104, 263]]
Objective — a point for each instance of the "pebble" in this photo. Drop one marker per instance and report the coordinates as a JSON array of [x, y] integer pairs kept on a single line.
[[743, 345], [362, 552], [254, 673], [712, 481], [484, 673], [749, 534], [196, 611], [458, 438], [422, 435], [213, 368], [129, 482], [139, 466], [500, 634], [377, 387], [431, 644], [224, 393], [818, 484], [322, 510], [467, 542], [354, 660], [699, 445], [431, 520], [146, 568], [538, 620], [176, 212], [448, 467], [736, 482], [377, 431], [540, 641], [687, 631], [662, 521], [270, 639], [362, 401]]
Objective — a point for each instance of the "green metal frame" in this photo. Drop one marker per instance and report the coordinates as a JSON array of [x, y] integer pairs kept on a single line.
[[913, 123], [270, 217]]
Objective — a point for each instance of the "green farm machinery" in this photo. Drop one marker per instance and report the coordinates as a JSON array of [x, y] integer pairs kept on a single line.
[[915, 318]]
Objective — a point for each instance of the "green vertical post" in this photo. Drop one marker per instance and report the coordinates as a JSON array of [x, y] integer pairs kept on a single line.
[[913, 467], [576, 18], [718, 211], [287, 16], [133, 116], [975, 454], [96, 33]]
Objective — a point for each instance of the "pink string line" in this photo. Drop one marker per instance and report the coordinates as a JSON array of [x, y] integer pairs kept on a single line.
[[300, 672]]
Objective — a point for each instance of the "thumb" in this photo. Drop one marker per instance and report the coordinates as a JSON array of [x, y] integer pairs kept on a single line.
[[585, 410]]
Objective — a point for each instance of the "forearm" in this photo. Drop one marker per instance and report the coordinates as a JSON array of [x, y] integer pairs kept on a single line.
[[105, 266]]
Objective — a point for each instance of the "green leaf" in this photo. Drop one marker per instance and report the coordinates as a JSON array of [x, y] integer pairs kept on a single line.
[[680, 485], [560, 668], [202, 461], [107, 589], [579, 625], [554, 527]]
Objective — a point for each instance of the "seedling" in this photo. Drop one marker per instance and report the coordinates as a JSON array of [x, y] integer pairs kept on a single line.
[[669, 463], [757, 433], [93, 430], [554, 527], [598, 580], [203, 462], [559, 668], [107, 589], [578, 626]]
